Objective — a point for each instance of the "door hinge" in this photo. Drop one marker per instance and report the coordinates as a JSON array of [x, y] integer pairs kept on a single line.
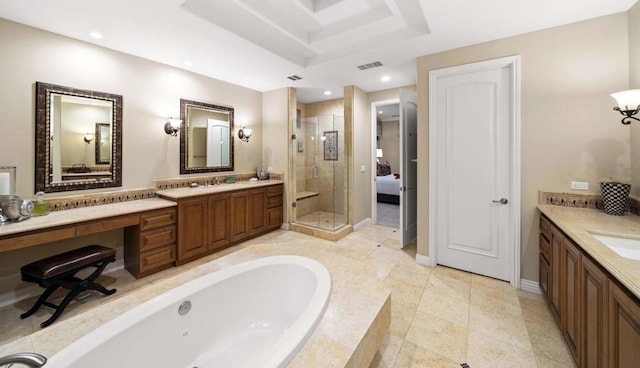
[[293, 204]]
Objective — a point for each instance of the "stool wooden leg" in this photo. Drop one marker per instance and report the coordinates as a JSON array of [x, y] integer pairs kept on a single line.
[[91, 285], [41, 300], [65, 302]]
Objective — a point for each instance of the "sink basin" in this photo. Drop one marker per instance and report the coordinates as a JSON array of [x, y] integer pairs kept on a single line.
[[625, 247]]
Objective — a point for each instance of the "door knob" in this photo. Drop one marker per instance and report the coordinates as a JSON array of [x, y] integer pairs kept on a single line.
[[501, 201]]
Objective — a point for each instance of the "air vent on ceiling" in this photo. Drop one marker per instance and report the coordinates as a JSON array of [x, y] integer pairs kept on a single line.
[[375, 64], [294, 77]]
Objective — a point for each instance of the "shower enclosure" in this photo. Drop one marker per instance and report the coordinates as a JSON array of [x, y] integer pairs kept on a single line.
[[320, 181]]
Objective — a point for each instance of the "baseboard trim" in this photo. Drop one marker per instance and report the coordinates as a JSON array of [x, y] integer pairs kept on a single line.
[[362, 224], [423, 260], [530, 286]]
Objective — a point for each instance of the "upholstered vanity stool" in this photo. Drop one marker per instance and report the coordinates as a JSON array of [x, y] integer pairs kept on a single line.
[[59, 271]]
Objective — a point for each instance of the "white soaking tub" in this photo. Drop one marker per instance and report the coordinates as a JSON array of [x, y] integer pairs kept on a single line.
[[255, 314]]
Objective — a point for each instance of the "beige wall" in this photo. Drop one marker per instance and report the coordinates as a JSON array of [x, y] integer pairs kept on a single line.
[[275, 137], [358, 117], [634, 83], [569, 131], [151, 93], [390, 144]]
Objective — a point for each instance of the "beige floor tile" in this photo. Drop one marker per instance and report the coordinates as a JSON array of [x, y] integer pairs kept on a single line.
[[484, 351], [439, 336], [414, 356], [548, 345], [489, 282], [498, 325], [401, 318], [404, 293], [452, 273], [388, 353], [416, 276], [449, 286], [13, 327], [504, 300], [444, 306]]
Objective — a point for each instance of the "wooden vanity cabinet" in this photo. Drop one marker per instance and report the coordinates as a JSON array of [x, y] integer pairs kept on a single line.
[[599, 318], [150, 246], [624, 329], [219, 221], [209, 223], [193, 230]]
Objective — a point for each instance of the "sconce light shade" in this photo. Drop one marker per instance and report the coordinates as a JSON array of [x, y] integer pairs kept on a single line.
[[88, 137], [244, 134], [172, 127], [628, 104], [378, 152]]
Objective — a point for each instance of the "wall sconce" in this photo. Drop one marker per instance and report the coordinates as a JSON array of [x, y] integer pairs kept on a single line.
[[628, 104], [88, 137], [244, 134], [172, 126]]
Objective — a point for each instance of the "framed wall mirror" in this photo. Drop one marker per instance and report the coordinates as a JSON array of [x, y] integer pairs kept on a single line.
[[78, 139], [206, 137]]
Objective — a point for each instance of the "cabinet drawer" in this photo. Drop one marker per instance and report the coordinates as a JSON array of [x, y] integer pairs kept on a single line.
[[157, 258], [545, 227], [154, 238], [113, 223], [274, 190], [155, 219], [274, 201], [544, 247]]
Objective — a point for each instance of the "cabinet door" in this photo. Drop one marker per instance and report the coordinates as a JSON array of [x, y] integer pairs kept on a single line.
[[258, 213], [219, 224], [555, 264], [192, 228], [571, 296], [274, 217], [624, 329], [595, 290], [239, 215], [544, 276]]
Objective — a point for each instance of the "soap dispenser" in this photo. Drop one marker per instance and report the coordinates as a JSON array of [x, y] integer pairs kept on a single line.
[[40, 206]]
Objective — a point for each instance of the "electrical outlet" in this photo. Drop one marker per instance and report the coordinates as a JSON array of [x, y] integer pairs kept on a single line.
[[580, 185]]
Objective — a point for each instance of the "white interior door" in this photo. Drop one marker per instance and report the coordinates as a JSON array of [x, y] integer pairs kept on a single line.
[[474, 134], [408, 166]]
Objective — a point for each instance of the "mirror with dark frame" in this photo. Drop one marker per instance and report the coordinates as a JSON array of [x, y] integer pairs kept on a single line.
[[206, 137], [78, 139]]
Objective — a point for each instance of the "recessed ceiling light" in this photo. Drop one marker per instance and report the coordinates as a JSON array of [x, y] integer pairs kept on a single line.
[[188, 63], [385, 78], [96, 35], [380, 112], [327, 93]]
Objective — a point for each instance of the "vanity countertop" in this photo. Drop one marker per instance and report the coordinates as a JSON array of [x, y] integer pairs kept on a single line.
[[211, 189], [75, 215], [578, 223]]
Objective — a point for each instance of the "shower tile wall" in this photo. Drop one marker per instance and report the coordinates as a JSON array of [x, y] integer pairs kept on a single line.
[[307, 159]]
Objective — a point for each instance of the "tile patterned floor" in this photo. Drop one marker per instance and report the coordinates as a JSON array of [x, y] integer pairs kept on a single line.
[[441, 317]]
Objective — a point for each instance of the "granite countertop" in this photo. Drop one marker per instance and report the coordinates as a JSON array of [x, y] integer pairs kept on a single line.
[[578, 223], [211, 189], [72, 216]]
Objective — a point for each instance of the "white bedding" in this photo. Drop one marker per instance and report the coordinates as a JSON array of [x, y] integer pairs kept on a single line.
[[388, 185]]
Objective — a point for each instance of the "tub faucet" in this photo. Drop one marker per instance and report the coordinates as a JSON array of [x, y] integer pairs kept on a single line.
[[216, 179], [31, 360]]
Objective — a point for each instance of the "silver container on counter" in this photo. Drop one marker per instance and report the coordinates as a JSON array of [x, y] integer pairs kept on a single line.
[[15, 208]]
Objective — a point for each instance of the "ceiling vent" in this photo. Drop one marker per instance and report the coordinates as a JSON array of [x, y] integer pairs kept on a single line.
[[294, 77], [375, 64]]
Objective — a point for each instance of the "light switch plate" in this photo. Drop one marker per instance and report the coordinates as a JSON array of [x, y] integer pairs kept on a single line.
[[580, 185], [363, 168]]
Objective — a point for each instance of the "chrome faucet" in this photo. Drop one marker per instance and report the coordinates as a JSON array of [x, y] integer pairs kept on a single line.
[[216, 179], [32, 360]]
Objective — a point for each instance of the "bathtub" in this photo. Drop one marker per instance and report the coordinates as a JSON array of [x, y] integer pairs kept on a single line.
[[255, 314]]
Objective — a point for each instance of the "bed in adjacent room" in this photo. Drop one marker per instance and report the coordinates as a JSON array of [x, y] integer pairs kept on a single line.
[[387, 184]]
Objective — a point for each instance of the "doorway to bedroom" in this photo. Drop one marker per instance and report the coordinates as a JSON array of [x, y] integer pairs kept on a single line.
[[394, 155], [387, 180]]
